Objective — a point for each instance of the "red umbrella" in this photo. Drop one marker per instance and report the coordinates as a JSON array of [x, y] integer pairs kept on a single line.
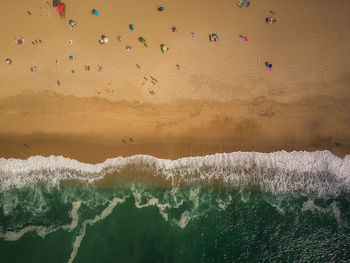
[[60, 8]]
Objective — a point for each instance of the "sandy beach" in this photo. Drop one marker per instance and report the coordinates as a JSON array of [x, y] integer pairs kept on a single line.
[[221, 99]]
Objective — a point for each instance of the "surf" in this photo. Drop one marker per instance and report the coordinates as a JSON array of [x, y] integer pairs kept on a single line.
[[320, 172]]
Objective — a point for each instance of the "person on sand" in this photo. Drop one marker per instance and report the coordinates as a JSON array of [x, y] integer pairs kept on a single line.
[[240, 3], [268, 65], [19, 41], [8, 61], [72, 24], [103, 40], [173, 29], [213, 37], [270, 20], [243, 38]]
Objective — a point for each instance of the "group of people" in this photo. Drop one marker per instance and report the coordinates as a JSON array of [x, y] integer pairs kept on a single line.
[[213, 37]]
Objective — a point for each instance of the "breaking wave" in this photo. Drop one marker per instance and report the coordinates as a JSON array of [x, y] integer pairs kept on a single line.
[[320, 173], [50, 195]]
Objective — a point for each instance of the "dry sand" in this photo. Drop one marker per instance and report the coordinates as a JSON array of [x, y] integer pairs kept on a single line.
[[222, 99]]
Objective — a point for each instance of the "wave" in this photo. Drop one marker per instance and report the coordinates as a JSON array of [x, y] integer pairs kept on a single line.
[[29, 200], [320, 172]]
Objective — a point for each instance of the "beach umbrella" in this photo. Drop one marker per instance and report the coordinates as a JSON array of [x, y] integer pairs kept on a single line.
[[164, 48], [143, 41], [60, 8], [95, 12], [160, 9], [270, 65], [71, 22], [132, 27]]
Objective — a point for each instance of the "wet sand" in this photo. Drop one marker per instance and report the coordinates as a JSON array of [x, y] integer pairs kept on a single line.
[[93, 129]]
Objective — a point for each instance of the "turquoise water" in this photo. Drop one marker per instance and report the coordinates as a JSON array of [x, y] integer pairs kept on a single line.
[[131, 215]]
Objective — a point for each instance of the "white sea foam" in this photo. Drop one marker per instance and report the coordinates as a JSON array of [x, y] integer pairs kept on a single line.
[[106, 212], [15, 235], [319, 172], [151, 202], [74, 215], [185, 218], [42, 231], [310, 205]]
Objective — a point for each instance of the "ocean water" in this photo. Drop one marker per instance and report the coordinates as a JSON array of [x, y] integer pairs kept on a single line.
[[237, 207]]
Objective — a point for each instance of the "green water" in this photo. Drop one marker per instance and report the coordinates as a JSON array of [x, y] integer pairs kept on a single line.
[[145, 223]]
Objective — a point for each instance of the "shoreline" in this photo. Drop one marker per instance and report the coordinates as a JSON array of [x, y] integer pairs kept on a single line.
[[96, 153], [94, 129]]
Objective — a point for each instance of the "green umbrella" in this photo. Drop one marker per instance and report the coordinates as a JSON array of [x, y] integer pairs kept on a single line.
[[164, 48], [143, 41]]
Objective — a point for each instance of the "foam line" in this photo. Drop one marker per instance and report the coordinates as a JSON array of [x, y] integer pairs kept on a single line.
[[79, 238], [320, 171], [41, 230]]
